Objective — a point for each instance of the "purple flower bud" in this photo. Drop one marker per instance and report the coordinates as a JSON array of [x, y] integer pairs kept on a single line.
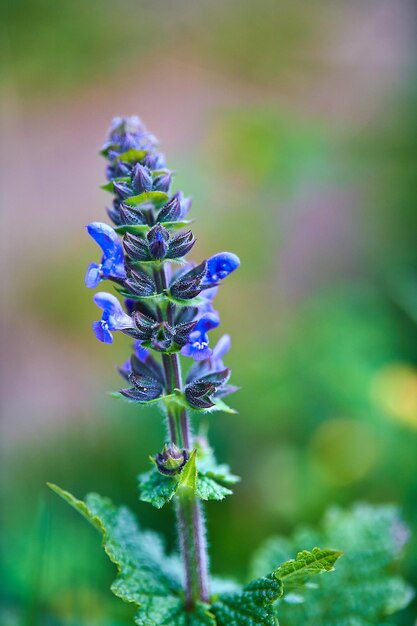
[[141, 179], [112, 262], [219, 266], [162, 182], [200, 393], [122, 190], [154, 161], [171, 211], [171, 460], [158, 238], [113, 318]]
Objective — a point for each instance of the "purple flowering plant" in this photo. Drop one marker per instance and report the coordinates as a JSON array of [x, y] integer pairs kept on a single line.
[[164, 302]]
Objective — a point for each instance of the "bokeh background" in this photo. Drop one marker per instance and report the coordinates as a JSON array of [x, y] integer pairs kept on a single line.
[[292, 124]]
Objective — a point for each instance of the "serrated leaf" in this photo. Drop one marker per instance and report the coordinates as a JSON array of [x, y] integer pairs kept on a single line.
[[222, 474], [156, 488], [365, 587], [147, 577], [157, 198], [250, 607], [294, 572], [208, 489]]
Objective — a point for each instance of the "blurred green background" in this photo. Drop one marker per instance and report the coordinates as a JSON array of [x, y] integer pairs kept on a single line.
[[292, 124]]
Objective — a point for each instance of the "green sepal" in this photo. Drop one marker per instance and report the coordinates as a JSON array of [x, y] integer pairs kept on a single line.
[[157, 198], [156, 297], [156, 173], [139, 229], [109, 186], [132, 155], [218, 405], [159, 297], [188, 475], [147, 577], [165, 399]]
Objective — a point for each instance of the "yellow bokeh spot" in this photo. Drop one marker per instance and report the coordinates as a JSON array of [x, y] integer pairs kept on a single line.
[[344, 450], [394, 390]]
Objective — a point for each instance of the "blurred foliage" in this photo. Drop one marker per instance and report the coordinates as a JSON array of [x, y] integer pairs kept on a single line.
[[365, 588]]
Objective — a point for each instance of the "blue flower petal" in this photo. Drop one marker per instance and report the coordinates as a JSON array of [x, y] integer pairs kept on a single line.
[[113, 256], [207, 322], [113, 318], [219, 266], [198, 341], [101, 331], [93, 275]]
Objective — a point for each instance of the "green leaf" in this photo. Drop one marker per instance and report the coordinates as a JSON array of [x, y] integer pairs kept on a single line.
[[188, 476], [250, 607], [158, 198], [209, 489], [132, 155], [156, 488], [147, 577], [294, 572], [366, 588], [222, 474]]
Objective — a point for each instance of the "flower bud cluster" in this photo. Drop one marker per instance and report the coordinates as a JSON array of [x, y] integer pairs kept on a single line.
[[168, 301]]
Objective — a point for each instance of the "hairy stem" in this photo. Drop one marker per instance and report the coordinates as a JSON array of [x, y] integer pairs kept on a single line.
[[190, 516]]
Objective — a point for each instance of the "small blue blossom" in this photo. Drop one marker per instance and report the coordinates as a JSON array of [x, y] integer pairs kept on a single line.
[[112, 262], [113, 318], [198, 341], [219, 266]]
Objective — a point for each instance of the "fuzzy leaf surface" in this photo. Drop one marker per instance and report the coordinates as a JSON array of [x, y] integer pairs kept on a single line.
[[250, 607], [367, 588], [147, 577]]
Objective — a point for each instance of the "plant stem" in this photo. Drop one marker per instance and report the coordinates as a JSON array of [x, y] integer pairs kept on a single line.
[[190, 516]]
